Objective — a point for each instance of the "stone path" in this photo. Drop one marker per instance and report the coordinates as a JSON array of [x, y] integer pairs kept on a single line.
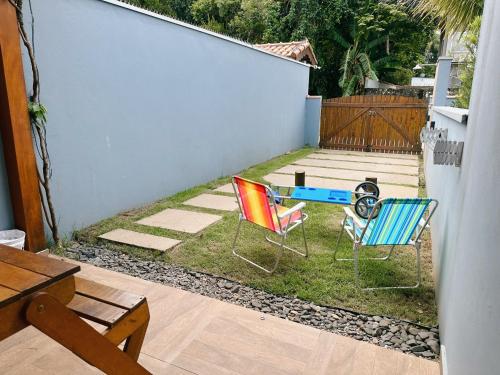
[[227, 188], [176, 220], [355, 175], [397, 174], [386, 190], [215, 202], [147, 241], [370, 154], [180, 220], [362, 158], [353, 165]]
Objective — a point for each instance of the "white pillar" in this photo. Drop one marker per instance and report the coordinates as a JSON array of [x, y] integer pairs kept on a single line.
[[442, 81], [470, 302]]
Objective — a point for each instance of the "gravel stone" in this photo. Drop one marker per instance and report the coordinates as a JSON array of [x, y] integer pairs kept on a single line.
[[434, 345], [418, 349], [380, 330]]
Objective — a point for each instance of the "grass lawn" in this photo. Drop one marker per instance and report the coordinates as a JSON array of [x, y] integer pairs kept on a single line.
[[318, 278]]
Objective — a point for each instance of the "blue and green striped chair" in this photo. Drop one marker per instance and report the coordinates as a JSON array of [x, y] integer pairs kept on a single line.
[[400, 222]]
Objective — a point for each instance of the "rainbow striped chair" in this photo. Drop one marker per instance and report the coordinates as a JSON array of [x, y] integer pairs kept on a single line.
[[400, 222], [258, 205]]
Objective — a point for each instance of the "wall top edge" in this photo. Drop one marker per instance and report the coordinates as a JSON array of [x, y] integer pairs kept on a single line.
[[199, 29], [459, 115]]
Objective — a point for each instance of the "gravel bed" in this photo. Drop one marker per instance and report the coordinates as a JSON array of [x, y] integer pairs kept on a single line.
[[384, 331]]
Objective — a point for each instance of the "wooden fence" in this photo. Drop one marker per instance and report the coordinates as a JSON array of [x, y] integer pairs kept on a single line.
[[379, 123]]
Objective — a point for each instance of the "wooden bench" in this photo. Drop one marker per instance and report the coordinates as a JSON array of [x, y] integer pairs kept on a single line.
[[124, 315]]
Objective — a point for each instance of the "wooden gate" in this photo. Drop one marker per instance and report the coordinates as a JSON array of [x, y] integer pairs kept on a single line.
[[373, 123]]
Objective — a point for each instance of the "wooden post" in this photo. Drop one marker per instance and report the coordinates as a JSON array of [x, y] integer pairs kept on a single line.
[[15, 129], [300, 178]]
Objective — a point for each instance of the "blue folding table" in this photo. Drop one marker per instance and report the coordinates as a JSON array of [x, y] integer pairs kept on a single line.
[[313, 194]]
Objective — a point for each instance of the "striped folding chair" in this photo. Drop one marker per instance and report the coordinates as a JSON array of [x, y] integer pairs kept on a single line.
[[400, 222], [258, 205]]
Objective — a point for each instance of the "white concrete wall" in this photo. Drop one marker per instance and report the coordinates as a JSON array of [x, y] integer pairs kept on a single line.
[[441, 181], [466, 230]]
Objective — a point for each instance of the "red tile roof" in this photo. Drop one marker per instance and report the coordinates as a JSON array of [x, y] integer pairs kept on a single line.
[[300, 50]]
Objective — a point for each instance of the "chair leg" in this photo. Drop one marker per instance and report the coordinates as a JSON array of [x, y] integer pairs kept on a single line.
[[282, 243], [417, 248], [373, 258], [356, 264], [304, 234], [338, 239], [278, 258]]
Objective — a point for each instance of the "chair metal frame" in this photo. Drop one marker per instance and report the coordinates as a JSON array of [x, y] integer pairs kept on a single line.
[[282, 231], [416, 241]]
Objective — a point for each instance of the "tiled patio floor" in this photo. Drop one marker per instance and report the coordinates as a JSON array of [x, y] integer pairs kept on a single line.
[[192, 334]]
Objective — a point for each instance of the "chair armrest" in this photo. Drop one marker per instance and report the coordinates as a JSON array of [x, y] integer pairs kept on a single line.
[[354, 217], [297, 207]]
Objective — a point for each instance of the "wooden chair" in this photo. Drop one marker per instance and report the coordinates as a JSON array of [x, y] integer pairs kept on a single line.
[[125, 315]]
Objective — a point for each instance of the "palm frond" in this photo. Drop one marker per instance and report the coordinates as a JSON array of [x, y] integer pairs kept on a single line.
[[349, 89], [345, 68], [375, 42], [337, 37], [453, 15], [386, 61], [366, 65]]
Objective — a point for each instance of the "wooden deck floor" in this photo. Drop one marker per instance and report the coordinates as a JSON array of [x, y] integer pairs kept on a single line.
[[192, 334]]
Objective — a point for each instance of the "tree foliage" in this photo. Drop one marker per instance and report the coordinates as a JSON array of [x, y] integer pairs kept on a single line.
[[453, 15], [471, 42]]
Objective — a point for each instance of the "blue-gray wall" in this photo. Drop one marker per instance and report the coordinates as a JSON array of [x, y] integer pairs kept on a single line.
[[313, 118], [141, 107]]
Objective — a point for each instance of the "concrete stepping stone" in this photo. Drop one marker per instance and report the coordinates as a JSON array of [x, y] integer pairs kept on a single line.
[[227, 188], [371, 167], [215, 202], [348, 174], [386, 190], [180, 220], [364, 159], [370, 154], [147, 241]]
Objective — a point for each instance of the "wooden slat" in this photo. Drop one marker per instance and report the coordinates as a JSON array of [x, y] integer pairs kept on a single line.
[[382, 105], [16, 133], [108, 295], [96, 311], [6, 293], [19, 279], [12, 313], [27, 273], [40, 264], [369, 123]]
